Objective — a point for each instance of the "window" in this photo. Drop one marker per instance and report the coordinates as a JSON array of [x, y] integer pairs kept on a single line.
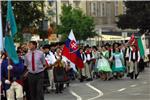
[[50, 2], [99, 9], [116, 8], [103, 9], [93, 9], [124, 9], [65, 3], [76, 3]]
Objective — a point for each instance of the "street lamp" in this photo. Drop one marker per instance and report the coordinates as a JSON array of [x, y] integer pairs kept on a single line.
[[97, 32], [124, 35], [100, 35]]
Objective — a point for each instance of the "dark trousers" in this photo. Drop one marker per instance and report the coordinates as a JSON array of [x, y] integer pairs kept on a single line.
[[3, 97], [59, 87], [141, 65], [35, 82], [26, 89]]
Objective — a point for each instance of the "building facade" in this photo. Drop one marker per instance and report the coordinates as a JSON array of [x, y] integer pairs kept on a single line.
[[104, 12]]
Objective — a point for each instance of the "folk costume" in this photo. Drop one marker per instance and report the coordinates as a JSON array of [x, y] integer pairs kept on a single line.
[[118, 67], [50, 59], [118, 62], [134, 59], [103, 65], [59, 75]]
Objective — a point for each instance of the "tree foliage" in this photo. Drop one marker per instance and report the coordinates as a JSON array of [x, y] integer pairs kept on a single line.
[[137, 16], [27, 14], [71, 18]]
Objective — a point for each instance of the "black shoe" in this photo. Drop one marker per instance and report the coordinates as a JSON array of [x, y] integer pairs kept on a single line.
[[46, 91], [67, 84], [73, 79], [128, 75], [81, 80], [60, 91], [83, 77], [89, 79], [131, 75], [136, 75], [110, 78], [56, 92], [115, 76]]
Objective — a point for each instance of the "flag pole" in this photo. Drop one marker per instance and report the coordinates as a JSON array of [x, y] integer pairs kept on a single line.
[[9, 69], [1, 31]]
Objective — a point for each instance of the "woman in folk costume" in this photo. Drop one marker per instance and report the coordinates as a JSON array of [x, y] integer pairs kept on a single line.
[[103, 65], [96, 55], [109, 48], [134, 59], [118, 67], [59, 72]]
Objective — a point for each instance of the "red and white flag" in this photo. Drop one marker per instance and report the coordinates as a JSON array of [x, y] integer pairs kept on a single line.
[[71, 51], [133, 41]]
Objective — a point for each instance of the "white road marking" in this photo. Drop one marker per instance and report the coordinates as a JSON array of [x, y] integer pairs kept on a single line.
[[122, 89], [100, 93], [74, 94], [135, 94], [133, 85], [144, 82], [76, 84]]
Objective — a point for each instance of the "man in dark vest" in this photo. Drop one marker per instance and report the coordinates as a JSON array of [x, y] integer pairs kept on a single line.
[[89, 62], [83, 74], [134, 59]]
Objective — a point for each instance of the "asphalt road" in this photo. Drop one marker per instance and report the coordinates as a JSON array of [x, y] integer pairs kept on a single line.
[[123, 89]]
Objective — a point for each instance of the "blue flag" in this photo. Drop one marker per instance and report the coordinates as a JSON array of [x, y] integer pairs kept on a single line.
[[11, 30], [11, 19]]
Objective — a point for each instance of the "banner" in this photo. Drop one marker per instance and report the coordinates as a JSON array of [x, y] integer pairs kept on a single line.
[[11, 30], [141, 44]]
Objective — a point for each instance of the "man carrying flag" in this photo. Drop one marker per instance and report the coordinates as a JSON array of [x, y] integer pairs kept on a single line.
[[71, 52], [134, 58], [12, 66]]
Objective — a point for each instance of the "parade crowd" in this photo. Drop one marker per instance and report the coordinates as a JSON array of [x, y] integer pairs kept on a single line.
[[42, 69]]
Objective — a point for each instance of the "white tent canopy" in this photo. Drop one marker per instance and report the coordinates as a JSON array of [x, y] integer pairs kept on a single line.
[[109, 38]]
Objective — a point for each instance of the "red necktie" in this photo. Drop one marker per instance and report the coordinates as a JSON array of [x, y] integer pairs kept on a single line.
[[33, 64]]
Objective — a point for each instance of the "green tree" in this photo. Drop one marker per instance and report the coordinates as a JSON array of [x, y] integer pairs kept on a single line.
[[27, 14], [71, 18], [137, 16]]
